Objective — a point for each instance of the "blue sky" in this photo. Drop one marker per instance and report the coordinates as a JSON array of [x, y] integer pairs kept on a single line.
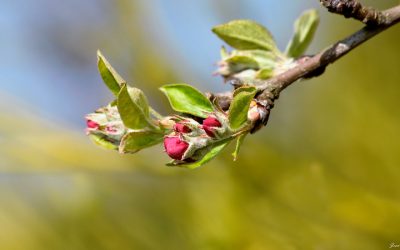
[[40, 69]]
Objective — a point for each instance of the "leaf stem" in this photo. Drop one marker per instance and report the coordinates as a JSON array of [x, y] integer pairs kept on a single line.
[[155, 113]]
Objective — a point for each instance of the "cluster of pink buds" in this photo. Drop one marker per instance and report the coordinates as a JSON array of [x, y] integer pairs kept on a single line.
[[190, 140], [106, 122]]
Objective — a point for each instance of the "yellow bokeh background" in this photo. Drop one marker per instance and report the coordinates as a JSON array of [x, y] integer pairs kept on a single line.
[[324, 173]]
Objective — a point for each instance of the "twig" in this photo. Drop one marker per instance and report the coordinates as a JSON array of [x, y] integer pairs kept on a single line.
[[311, 66], [321, 60], [354, 9]]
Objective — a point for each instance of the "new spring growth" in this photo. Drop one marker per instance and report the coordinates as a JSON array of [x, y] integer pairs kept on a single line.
[[201, 129], [106, 125], [190, 140]]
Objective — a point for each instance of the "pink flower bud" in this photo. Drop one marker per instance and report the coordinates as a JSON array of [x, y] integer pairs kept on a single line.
[[175, 147], [92, 125], [181, 128], [209, 124]]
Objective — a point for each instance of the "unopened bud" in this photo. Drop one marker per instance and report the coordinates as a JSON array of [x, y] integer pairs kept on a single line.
[[106, 122], [181, 128], [209, 124], [91, 124], [175, 147]]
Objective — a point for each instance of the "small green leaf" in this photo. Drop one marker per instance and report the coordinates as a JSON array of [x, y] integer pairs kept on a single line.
[[247, 75], [239, 63], [110, 77], [239, 108], [265, 73], [244, 60], [239, 142], [245, 35], [133, 108], [186, 99], [100, 140], [208, 157], [137, 140], [114, 103], [304, 29], [265, 59], [224, 54]]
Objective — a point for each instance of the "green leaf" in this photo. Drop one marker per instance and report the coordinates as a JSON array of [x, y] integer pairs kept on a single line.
[[223, 53], [304, 29], [208, 157], [100, 140], [137, 140], [247, 75], [239, 142], [245, 60], [134, 108], [186, 99], [245, 35], [110, 77], [239, 63], [239, 108], [265, 73], [263, 58]]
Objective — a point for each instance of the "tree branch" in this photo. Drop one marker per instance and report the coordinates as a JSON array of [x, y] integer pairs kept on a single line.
[[307, 66], [311, 66], [354, 9]]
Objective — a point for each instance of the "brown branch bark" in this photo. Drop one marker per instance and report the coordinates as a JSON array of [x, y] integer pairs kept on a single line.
[[354, 9], [321, 60]]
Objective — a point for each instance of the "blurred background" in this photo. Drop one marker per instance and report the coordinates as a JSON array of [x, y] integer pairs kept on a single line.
[[324, 174]]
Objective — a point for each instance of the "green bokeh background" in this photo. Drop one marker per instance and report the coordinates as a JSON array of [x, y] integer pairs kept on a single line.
[[324, 173]]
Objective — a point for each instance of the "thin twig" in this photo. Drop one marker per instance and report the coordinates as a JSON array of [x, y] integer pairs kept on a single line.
[[354, 9], [319, 61], [310, 66]]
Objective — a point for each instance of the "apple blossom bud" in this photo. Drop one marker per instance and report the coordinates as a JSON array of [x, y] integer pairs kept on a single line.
[[181, 128], [106, 123], [91, 124], [209, 124], [175, 147]]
